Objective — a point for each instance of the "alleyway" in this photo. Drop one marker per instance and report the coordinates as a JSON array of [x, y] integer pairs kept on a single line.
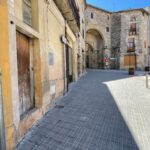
[[104, 110]]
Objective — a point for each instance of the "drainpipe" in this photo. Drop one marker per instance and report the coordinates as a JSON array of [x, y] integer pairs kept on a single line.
[[64, 60], [2, 126]]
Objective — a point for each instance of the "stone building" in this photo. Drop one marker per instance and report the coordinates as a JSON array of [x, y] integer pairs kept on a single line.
[[45, 41], [117, 39], [47, 44], [98, 36], [133, 44]]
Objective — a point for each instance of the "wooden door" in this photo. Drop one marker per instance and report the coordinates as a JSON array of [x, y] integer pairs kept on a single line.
[[130, 60], [24, 83]]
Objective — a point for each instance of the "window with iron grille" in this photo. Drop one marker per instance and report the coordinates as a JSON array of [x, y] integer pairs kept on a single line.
[[133, 29], [27, 12], [131, 45]]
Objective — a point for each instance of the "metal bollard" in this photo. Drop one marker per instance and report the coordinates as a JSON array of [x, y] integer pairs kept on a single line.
[[2, 126], [147, 81]]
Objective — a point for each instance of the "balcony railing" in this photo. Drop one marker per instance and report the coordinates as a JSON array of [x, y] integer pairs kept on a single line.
[[131, 49], [133, 32]]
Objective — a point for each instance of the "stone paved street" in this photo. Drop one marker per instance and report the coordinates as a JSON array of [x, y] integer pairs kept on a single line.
[[104, 110]]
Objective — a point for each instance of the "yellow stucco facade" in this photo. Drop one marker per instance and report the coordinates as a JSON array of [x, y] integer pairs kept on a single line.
[[6, 76], [48, 57]]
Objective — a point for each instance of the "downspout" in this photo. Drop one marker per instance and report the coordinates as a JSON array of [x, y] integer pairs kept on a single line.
[[2, 126], [64, 61]]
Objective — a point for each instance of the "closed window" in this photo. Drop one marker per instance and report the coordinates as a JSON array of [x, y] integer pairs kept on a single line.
[[107, 29], [131, 45], [133, 29], [27, 12]]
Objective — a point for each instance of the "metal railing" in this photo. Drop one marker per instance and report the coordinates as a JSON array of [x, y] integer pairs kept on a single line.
[[2, 127], [148, 81]]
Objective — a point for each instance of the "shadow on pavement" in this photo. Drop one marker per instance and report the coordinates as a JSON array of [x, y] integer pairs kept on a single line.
[[89, 120]]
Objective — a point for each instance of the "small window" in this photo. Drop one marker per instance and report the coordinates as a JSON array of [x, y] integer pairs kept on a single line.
[[27, 12], [83, 33], [133, 29], [92, 15], [131, 45], [107, 29], [108, 17]]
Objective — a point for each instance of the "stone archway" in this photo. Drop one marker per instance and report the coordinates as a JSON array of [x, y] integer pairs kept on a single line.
[[94, 49]]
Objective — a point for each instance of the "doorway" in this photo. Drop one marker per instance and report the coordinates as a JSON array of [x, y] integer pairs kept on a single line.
[[130, 61], [69, 66], [94, 49], [25, 73]]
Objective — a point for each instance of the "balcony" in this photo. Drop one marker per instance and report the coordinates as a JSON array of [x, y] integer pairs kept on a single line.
[[131, 49], [70, 12], [133, 32]]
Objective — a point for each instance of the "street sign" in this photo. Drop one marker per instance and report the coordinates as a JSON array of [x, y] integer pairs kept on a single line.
[[106, 55], [113, 58], [106, 59]]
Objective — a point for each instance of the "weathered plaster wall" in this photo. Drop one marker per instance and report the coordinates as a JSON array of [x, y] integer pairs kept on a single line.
[[48, 25], [6, 74]]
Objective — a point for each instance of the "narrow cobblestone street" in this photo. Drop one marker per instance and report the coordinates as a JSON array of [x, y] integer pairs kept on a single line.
[[104, 110]]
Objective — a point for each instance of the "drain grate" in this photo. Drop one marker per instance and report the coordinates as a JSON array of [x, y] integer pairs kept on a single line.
[[59, 106]]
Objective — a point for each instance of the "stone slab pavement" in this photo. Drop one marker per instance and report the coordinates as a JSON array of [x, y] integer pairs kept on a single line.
[[104, 110]]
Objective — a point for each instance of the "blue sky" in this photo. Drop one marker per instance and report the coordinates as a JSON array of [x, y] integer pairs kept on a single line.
[[115, 5]]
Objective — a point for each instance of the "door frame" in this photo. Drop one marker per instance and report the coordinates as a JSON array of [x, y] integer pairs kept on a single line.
[[69, 59], [31, 76]]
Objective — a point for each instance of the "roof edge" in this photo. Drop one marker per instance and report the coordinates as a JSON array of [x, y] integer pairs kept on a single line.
[[137, 9], [95, 7], [121, 11]]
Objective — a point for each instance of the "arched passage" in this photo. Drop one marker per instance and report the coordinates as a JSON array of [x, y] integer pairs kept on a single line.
[[94, 49]]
